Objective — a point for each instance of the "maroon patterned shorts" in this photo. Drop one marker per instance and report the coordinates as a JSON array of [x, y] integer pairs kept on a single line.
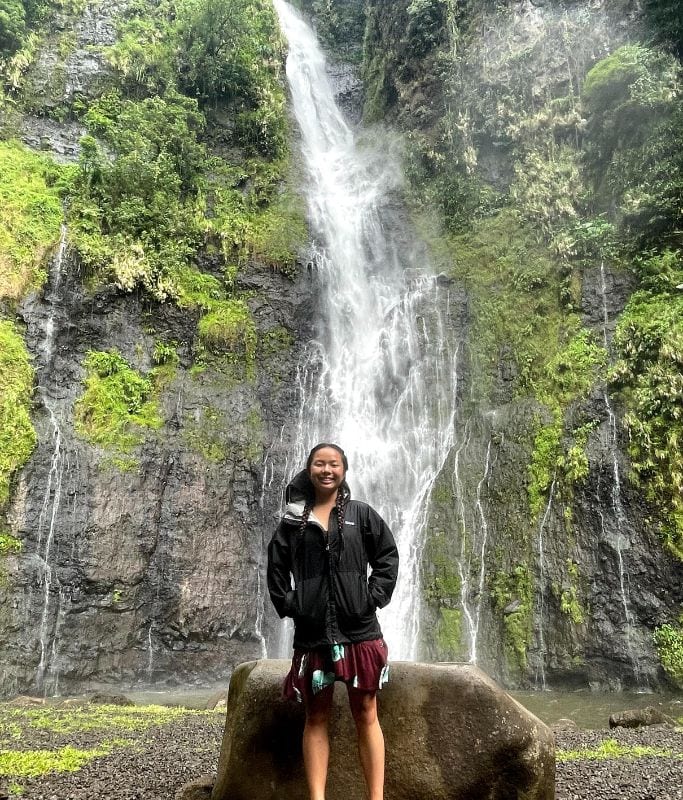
[[361, 665]]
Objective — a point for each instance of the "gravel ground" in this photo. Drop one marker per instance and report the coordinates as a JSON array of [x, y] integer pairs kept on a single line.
[[151, 764]]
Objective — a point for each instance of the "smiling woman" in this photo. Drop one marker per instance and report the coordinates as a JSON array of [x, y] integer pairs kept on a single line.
[[325, 545]]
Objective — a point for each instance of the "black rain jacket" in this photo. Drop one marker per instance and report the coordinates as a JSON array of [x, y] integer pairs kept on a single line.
[[333, 600]]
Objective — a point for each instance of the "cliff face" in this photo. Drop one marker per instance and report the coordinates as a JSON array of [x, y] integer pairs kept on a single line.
[[546, 562], [151, 572], [166, 333], [133, 540]]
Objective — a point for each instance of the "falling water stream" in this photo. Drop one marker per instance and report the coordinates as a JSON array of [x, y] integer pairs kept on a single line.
[[620, 519], [380, 378], [52, 496]]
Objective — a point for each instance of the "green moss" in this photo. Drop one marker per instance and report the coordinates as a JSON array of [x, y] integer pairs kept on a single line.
[[669, 642], [649, 343], [30, 218], [229, 330], [17, 435], [31, 763], [449, 634], [566, 379], [276, 341], [507, 587], [569, 598], [612, 749], [206, 434], [514, 291], [9, 545], [279, 233], [118, 406]]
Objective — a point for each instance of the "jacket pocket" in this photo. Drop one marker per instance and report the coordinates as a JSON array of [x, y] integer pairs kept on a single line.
[[352, 597], [311, 599]]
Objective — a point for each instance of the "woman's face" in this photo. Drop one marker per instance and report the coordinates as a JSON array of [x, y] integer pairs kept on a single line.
[[326, 471]]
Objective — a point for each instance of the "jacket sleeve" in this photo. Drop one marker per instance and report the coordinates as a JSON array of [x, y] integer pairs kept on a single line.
[[382, 556], [279, 573]]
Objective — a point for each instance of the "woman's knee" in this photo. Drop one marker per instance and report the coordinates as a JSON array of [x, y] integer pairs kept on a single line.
[[363, 707]]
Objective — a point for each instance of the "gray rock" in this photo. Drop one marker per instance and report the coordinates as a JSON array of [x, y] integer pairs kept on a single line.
[[636, 717], [450, 732], [199, 789], [101, 698]]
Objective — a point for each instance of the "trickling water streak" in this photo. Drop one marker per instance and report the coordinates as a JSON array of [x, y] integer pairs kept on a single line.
[[541, 587], [150, 652], [484, 534], [463, 560], [53, 489], [370, 380], [620, 517]]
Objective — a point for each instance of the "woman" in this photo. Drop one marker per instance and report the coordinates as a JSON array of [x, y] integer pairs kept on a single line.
[[325, 543]]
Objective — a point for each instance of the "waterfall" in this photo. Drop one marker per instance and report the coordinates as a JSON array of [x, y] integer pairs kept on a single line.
[[541, 589], [621, 542], [381, 377], [52, 496]]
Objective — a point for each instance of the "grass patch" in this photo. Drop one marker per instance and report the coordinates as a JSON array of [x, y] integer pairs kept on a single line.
[[119, 404], [17, 435], [611, 749], [32, 763], [30, 218]]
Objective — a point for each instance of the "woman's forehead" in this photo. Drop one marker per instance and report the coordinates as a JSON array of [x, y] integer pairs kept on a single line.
[[327, 454]]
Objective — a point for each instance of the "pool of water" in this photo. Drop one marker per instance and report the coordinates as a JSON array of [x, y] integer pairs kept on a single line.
[[592, 709]]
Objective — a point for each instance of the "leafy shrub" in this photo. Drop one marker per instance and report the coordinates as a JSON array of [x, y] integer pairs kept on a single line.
[[17, 436], [118, 403], [668, 640], [649, 373]]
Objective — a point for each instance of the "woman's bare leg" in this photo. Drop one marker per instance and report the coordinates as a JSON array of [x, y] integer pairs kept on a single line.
[[370, 740], [316, 743]]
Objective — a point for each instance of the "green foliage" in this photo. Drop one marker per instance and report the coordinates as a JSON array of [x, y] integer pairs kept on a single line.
[[118, 404], [30, 218], [9, 545], [30, 763], [545, 458], [513, 289], [164, 353], [612, 749], [649, 373], [426, 25], [12, 26], [668, 640], [506, 587], [569, 599], [137, 217], [566, 378], [205, 434], [339, 25], [632, 99], [570, 373], [234, 53], [17, 436], [229, 329], [449, 634]]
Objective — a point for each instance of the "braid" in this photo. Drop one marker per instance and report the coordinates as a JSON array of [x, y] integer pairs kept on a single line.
[[304, 519], [341, 509]]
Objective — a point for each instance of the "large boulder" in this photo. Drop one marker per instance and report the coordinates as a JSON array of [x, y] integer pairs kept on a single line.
[[637, 717], [451, 733]]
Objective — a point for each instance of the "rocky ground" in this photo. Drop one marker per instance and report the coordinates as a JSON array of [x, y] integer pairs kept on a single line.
[[151, 757]]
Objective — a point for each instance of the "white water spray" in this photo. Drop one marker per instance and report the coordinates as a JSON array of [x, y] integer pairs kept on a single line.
[[382, 378]]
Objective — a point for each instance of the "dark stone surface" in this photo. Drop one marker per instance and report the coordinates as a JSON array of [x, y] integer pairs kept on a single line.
[[450, 732]]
